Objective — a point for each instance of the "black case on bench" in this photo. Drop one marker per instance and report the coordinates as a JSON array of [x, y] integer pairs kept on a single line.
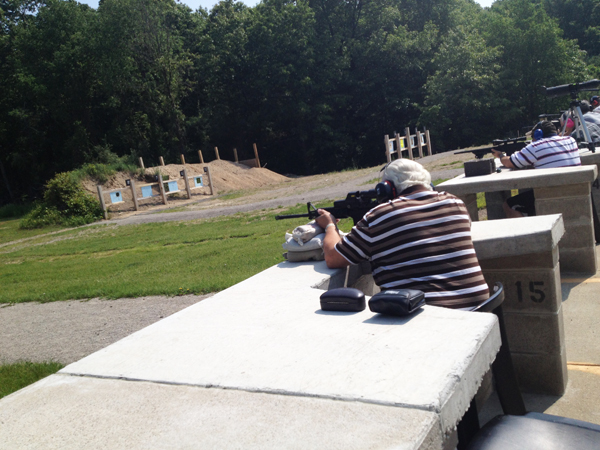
[[343, 299], [397, 302]]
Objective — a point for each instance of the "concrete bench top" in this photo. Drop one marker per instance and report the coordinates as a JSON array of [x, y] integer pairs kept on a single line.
[[588, 157], [514, 237], [264, 346], [519, 179]]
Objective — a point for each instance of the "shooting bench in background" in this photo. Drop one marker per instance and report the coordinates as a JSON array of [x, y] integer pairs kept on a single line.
[[408, 143], [563, 191], [160, 189]]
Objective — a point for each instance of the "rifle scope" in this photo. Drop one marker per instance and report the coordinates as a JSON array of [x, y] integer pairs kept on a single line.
[[571, 89]]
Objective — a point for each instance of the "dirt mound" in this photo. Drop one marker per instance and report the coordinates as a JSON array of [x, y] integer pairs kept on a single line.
[[226, 177]]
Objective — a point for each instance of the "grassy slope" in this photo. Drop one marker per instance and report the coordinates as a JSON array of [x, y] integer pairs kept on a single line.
[[138, 260]]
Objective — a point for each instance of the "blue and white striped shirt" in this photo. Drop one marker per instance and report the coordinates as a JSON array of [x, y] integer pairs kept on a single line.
[[555, 151]]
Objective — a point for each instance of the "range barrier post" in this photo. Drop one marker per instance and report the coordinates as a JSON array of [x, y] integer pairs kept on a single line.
[[161, 187], [187, 184], [212, 189], [135, 202], [102, 202], [256, 155], [419, 145]]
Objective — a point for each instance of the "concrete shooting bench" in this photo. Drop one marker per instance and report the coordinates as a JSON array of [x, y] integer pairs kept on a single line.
[[563, 191], [261, 366], [588, 158], [523, 254]]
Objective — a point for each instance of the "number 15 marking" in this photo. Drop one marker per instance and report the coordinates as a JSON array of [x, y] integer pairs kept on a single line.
[[538, 296]]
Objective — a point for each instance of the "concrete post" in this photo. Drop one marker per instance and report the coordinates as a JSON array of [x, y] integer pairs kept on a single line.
[[577, 247], [494, 202], [200, 155], [162, 161], [470, 201], [533, 316], [217, 153]]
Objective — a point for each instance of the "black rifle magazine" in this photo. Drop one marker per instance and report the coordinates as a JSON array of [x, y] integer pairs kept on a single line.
[[397, 302], [343, 299]]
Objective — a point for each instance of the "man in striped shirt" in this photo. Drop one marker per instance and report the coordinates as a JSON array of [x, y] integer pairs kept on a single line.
[[420, 240], [548, 152]]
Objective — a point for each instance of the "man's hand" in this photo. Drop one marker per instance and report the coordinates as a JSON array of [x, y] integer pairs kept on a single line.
[[333, 259], [505, 160], [325, 218]]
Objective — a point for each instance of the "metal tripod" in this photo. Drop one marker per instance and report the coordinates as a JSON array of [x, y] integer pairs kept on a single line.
[[581, 128]]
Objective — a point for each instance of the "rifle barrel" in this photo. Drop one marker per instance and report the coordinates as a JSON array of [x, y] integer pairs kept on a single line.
[[292, 216]]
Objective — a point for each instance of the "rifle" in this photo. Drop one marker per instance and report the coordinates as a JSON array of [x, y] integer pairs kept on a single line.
[[355, 206], [508, 146]]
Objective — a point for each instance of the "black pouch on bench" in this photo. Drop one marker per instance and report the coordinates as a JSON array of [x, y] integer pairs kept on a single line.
[[343, 299], [397, 302]]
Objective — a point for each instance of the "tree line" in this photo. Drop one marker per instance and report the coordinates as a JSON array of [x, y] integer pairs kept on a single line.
[[316, 83]]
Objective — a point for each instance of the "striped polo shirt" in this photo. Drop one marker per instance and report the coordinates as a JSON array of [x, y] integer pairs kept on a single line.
[[555, 151], [420, 240]]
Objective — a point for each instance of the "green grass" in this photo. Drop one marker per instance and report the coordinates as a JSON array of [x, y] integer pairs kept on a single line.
[[233, 195], [481, 200], [10, 231], [440, 180], [139, 260], [16, 376]]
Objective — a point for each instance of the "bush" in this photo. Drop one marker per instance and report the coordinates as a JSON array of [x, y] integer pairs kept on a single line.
[[103, 168], [65, 203]]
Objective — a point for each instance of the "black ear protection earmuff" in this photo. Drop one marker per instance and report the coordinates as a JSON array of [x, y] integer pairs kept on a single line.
[[385, 191]]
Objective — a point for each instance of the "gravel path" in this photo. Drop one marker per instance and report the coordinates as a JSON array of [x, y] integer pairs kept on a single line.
[[67, 331]]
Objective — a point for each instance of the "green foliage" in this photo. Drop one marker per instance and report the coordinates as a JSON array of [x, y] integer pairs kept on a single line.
[[315, 84], [65, 203], [9, 211], [18, 375]]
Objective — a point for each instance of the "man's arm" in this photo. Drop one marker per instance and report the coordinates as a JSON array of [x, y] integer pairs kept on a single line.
[[505, 160], [328, 222]]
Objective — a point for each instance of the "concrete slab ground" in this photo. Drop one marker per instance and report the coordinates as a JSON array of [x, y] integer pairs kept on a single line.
[[94, 413], [581, 310]]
